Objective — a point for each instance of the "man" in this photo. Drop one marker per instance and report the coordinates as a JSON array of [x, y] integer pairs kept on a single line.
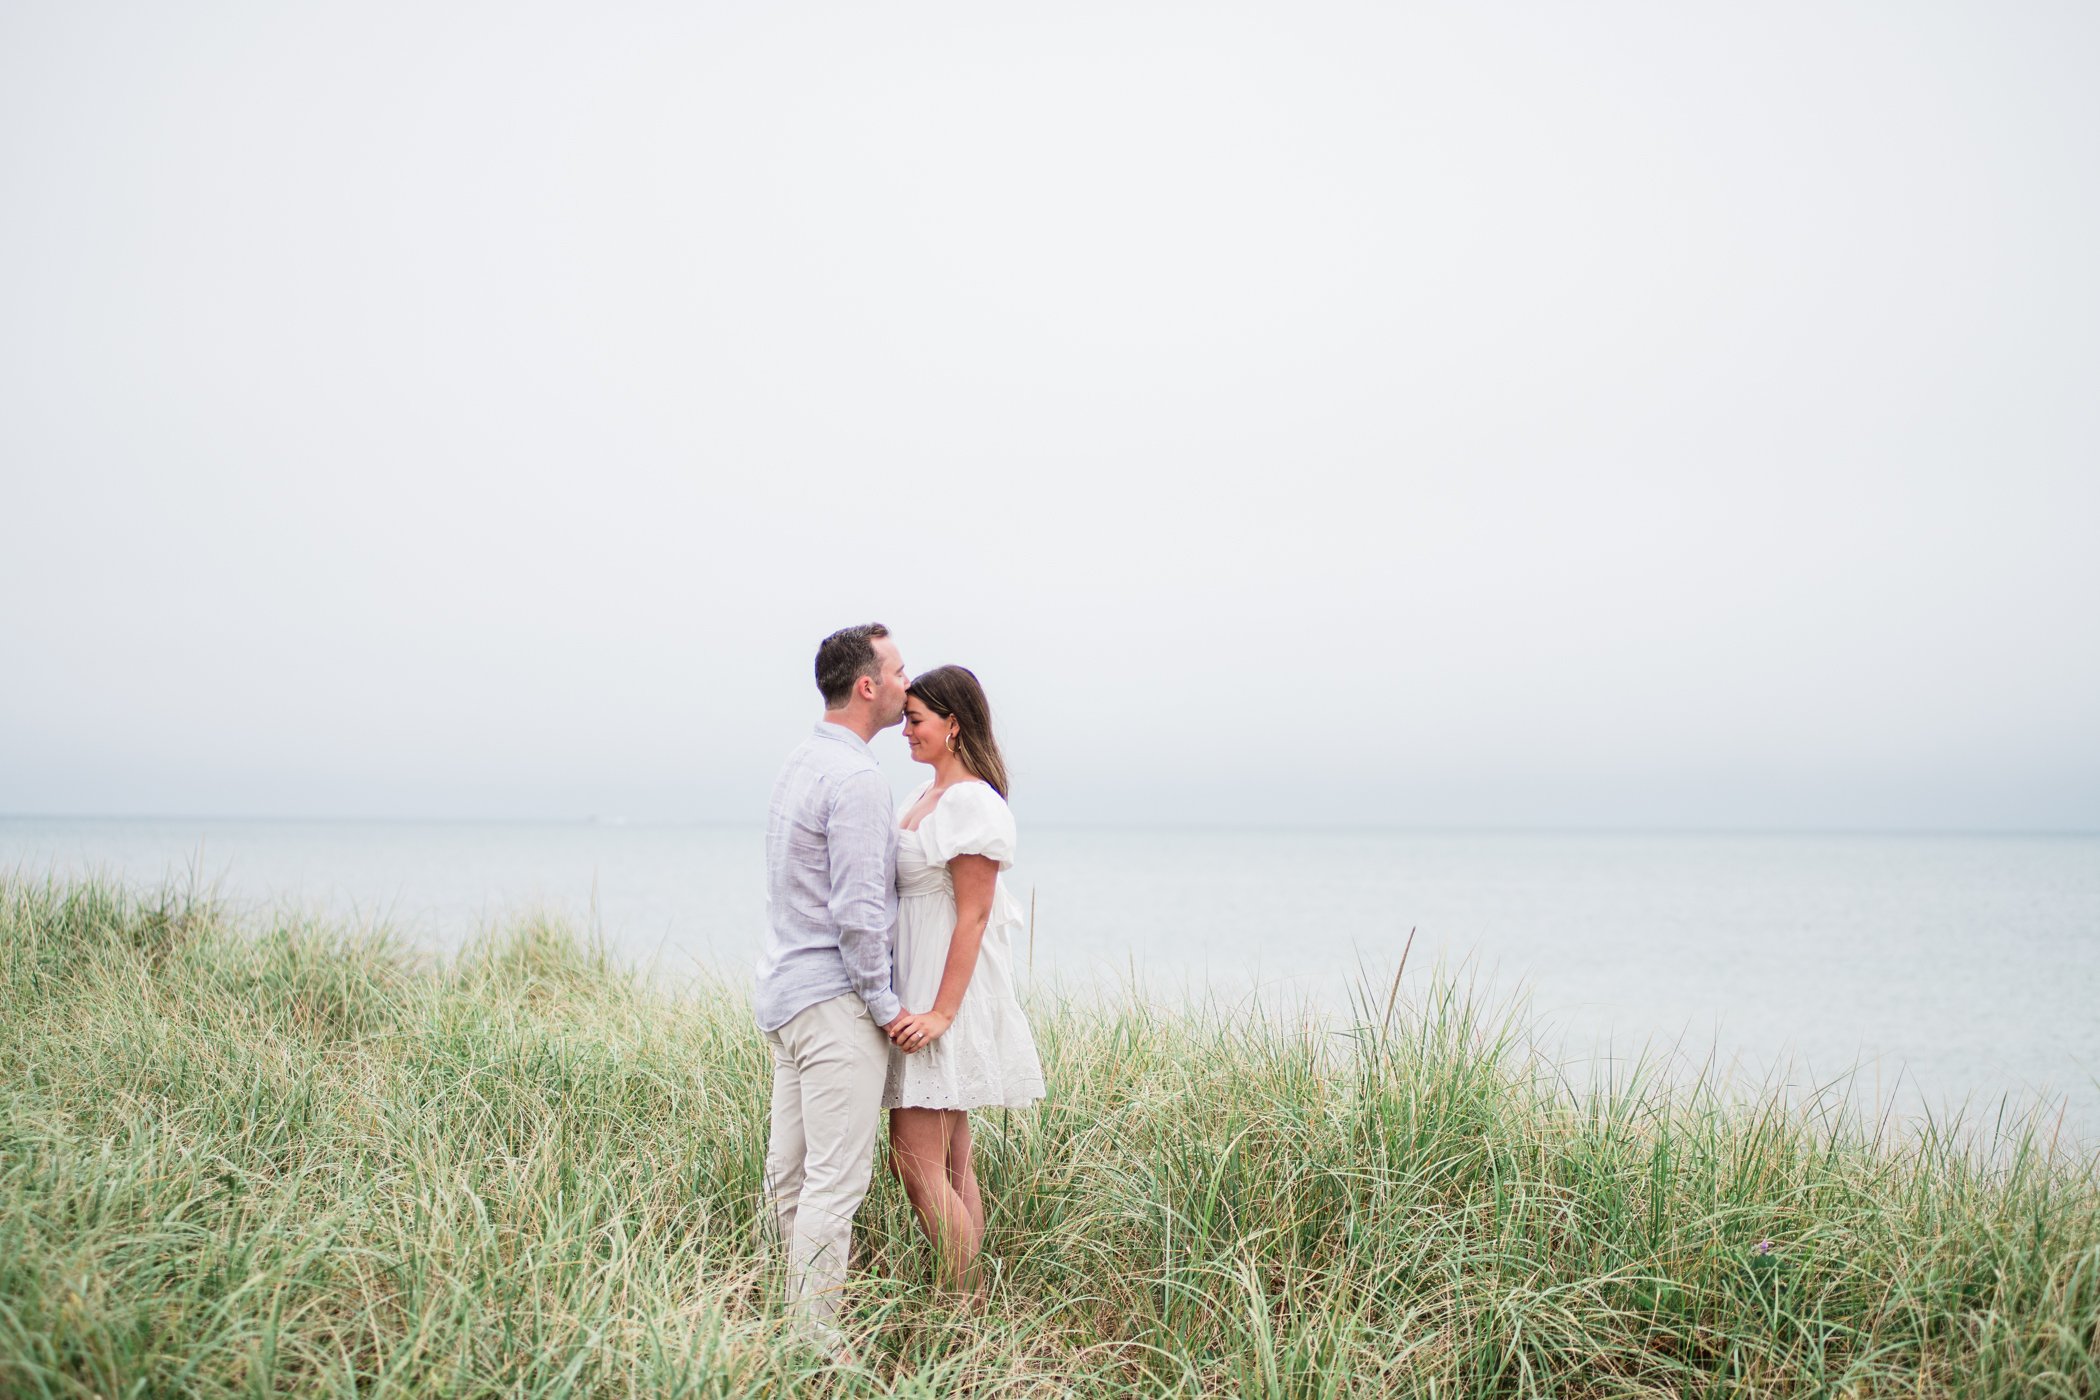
[[823, 995]]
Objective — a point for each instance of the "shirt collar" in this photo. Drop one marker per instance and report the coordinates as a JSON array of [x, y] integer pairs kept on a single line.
[[827, 730]]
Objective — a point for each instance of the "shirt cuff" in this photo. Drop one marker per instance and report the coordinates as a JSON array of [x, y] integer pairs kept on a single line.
[[882, 1007]]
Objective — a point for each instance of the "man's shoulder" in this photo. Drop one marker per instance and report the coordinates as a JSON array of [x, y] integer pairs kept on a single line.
[[860, 783], [823, 766], [830, 756]]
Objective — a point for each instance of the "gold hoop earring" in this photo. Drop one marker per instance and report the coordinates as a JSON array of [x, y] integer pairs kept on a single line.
[[951, 744]]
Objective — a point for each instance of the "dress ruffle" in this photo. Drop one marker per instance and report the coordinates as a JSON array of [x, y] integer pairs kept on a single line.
[[971, 819]]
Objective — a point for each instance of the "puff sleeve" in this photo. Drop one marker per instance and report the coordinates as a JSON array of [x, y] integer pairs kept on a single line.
[[969, 820]]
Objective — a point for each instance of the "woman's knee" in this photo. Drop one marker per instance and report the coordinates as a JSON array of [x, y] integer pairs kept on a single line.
[[957, 1156], [914, 1166]]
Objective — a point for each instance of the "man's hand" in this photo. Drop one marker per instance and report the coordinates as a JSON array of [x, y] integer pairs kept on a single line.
[[899, 1019], [914, 1031]]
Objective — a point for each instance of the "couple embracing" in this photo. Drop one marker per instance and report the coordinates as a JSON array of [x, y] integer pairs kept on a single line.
[[886, 978]]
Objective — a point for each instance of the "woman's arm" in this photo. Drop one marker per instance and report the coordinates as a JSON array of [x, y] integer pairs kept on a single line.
[[976, 878]]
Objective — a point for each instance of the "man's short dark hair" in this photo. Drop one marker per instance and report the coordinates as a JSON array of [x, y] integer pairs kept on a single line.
[[843, 658]]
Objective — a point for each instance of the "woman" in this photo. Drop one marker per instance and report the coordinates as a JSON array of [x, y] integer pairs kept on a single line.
[[970, 1048]]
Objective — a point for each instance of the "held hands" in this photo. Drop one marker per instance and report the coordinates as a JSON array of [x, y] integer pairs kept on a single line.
[[915, 1030]]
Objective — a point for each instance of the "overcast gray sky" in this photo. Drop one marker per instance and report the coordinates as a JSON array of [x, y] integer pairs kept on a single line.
[[1461, 414]]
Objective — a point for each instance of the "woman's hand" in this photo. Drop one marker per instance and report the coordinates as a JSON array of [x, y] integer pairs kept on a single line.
[[915, 1030]]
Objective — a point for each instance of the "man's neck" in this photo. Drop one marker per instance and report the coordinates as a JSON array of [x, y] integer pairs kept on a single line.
[[854, 722]]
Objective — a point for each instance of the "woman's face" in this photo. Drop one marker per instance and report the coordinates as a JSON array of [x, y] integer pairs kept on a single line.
[[925, 733]]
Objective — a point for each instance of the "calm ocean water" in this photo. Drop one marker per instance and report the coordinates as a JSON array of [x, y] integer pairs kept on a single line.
[[1947, 968]]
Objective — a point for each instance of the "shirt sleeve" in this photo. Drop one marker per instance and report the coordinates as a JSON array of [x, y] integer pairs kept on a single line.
[[857, 839], [969, 820]]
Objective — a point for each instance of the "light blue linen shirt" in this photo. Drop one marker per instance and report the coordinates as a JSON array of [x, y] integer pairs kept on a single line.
[[831, 882]]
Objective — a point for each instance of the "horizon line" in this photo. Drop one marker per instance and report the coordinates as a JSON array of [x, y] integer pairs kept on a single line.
[[1474, 828]]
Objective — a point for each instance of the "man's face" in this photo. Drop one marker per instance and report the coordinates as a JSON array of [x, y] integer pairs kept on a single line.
[[890, 685]]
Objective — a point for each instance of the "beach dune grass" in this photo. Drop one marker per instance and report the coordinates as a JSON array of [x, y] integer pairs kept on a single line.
[[241, 1159]]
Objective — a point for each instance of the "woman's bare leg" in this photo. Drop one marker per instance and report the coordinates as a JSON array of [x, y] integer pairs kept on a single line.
[[920, 1140], [962, 1179], [962, 1176]]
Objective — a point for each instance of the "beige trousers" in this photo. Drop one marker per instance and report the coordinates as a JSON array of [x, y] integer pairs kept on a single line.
[[828, 1066]]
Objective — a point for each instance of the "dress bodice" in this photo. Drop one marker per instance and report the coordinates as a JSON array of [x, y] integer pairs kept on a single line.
[[916, 875], [969, 819]]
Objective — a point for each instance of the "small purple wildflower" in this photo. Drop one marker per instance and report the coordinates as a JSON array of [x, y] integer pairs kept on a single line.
[[1764, 1246]]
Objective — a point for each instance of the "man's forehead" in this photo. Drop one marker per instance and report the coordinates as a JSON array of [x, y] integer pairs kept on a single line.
[[888, 648]]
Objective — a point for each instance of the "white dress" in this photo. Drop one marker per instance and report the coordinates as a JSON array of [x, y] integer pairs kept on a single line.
[[987, 1058]]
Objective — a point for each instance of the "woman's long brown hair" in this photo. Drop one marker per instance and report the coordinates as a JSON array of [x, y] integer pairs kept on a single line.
[[952, 692]]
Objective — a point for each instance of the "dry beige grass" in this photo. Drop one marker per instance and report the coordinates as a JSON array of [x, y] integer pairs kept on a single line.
[[289, 1160]]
